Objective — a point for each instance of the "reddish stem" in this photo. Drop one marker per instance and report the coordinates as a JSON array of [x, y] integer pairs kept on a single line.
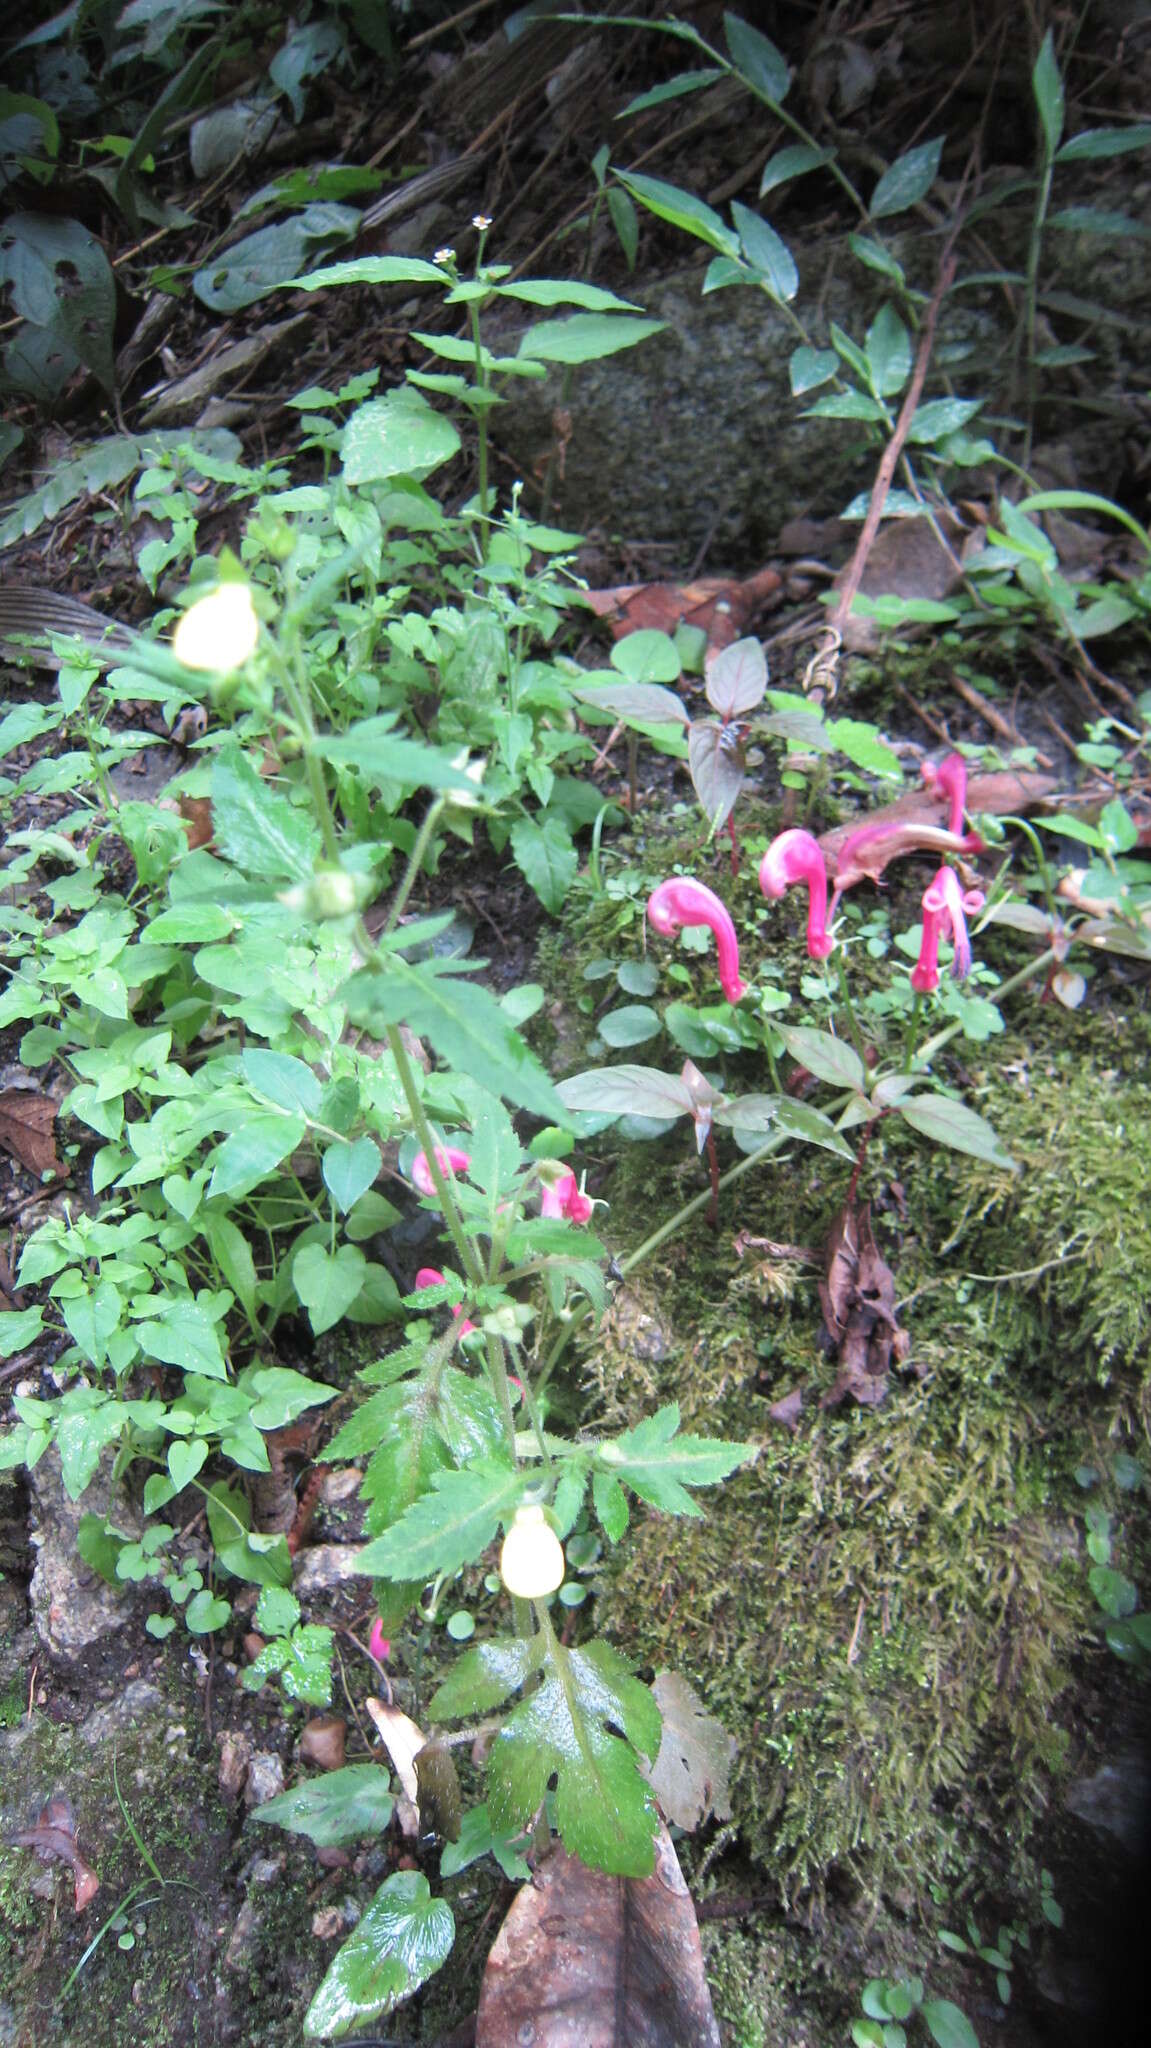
[[713, 1162]]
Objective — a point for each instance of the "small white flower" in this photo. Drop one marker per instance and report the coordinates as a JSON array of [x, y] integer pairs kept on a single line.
[[444, 256], [219, 631], [532, 1556], [482, 222]]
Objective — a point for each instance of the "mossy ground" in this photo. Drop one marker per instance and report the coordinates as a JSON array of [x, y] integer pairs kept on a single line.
[[890, 1611]]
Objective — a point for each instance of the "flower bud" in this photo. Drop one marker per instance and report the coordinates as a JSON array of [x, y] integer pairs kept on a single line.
[[332, 892], [531, 1557], [219, 631]]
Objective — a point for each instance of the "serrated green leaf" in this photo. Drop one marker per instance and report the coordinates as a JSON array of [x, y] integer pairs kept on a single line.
[[659, 1464], [184, 1334], [450, 1526], [482, 1679], [610, 1503], [403, 1939], [340, 1806], [397, 435], [604, 1809], [464, 1023], [546, 858], [256, 828]]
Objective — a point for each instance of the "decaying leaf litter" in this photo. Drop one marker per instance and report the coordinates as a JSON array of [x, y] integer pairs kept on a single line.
[[857, 1283]]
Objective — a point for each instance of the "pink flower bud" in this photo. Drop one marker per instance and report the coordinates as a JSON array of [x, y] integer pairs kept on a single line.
[[796, 857], [948, 778], [449, 1159], [681, 902], [378, 1645], [944, 903], [429, 1277]]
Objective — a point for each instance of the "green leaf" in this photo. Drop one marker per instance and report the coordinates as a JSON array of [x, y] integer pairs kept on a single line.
[[556, 291], [1103, 142], [642, 704], [184, 1334], [403, 1939], [546, 858], [260, 263], [476, 1840], [862, 744], [450, 1526], [350, 1170], [604, 1809], [793, 162], [953, 1123], [205, 1612], [279, 1394], [1116, 1594], [99, 1546], [829, 1059], [765, 250], [909, 179], [288, 1082], [328, 1282], [253, 1153], [381, 756], [464, 1023], [482, 1679], [277, 1611], [659, 1464], [397, 435], [940, 417], [585, 337], [682, 210], [341, 1806], [610, 1503], [59, 279], [756, 59], [633, 1024], [888, 351], [372, 270], [811, 367], [256, 829], [844, 405], [185, 1460], [671, 89], [627, 1091], [948, 2024], [1047, 86]]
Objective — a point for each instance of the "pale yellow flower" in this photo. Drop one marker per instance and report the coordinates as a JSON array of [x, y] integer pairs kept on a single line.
[[219, 631], [532, 1556]]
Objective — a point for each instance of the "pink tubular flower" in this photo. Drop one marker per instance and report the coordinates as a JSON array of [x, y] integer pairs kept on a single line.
[[378, 1645], [796, 857], [948, 778], [944, 903], [681, 902], [429, 1277], [449, 1159], [566, 1198]]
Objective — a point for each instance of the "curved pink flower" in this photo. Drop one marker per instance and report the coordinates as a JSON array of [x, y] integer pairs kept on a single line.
[[429, 1277], [945, 903], [378, 1645], [796, 857], [682, 902], [565, 1197], [449, 1159], [948, 778]]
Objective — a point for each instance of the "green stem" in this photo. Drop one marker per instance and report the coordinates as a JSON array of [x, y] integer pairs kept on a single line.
[[912, 1033], [927, 1052], [849, 1008], [482, 426], [1031, 302], [399, 904]]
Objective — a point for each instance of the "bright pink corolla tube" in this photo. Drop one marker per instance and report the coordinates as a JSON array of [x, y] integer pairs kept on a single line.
[[449, 1159], [428, 1276], [945, 903], [566, 1199], [681, 902], [948, 778], [796, 857]]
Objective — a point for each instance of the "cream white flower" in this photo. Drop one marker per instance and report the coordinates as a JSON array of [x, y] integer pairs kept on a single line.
[[532, 1556], [219, 631]]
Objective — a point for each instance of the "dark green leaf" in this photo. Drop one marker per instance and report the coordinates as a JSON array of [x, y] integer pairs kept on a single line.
[[633, 1024], [546, 857], [341, 1806], [403, 1939], [659, 1464], [909, 179], [464, 1023], [952, 1123], [948, 2024], [1047, 85], [481, 1679], [829, 1059], [257, 829], [450, 1526], [682, 210], [756, 58]]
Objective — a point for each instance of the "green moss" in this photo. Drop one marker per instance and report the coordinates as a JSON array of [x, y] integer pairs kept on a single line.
[[887, 1609]]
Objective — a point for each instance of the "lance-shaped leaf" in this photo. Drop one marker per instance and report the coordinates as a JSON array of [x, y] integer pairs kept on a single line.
[[952, 1123], [659, 1464], [604, 1811], [715, 760], [737, 678], [339, 1806], [642, 703], [464, 1023], [402, 1940], [449, 1527], [828, 1058], [628, 1091]]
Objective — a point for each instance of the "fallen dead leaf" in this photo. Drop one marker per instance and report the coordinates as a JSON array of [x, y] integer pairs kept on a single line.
[[196, 812], [858, 1297], [27, 1120], [690, 1775], [323, 1741], [717, 606], [403, 1742], [605, 1962], [53, 1839]]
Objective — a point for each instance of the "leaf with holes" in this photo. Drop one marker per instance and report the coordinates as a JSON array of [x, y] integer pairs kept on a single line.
[[60, 280]]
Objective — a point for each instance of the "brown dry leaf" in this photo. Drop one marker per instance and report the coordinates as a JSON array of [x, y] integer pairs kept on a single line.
[[858, 1297], [913, 822], [323, 1741], [26, 1129], [196, 812], [53, 1839], [907, 560], [598, 1961], [788, 1410], [690, 1775], [720, 608], [403, 1742]]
